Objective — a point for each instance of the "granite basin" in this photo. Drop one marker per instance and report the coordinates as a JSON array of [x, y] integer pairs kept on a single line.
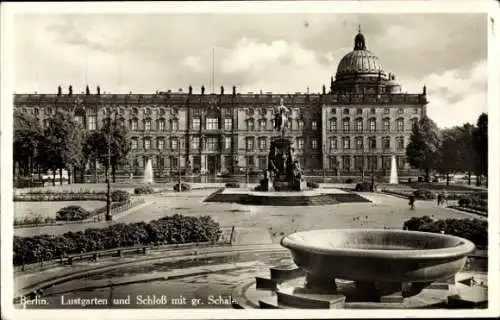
[[374, 255]]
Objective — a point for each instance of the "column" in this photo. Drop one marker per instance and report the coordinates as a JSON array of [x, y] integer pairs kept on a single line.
[[203, 162], [222, 163]]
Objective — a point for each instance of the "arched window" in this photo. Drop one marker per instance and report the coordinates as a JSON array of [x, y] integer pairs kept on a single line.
[[346, 111], [414, 122], [161, 124], [147, 124], [333, 143], [147, 143], [387, 124], [359, 124], [386, 143], [134, 144], [372, 143], [359, 143], [134, 124], [372, 123], [345, 124], [346, 143], [332, 124], [400, 124]]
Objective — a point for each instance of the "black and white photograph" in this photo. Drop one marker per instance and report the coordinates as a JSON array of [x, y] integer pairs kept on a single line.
[[238, 159]]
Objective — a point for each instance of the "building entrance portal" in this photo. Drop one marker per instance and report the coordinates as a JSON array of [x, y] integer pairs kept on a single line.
[[213, 164]]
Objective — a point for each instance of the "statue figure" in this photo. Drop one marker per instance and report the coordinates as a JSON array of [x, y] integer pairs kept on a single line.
[[222, 90], [271, 163], [70, 90], [87, 90], [425, 90], [234, 90], [202, 89], [190, 89], [284, 159], [281, 117], [324, 89], [59, 90], [98, 90], [297, 172]]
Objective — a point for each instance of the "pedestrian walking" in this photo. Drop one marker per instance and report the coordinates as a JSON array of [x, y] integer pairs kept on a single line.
[[439, 199], [412, 202]]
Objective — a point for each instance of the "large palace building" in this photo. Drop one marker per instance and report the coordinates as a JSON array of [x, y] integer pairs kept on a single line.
[[358, 124]]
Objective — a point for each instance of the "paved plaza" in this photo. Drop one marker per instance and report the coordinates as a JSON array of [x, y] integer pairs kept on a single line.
[[269, 223]]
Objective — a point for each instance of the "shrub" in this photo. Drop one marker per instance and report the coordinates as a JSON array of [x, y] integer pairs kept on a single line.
[[33, 219], [464, 202], [364, 186], [168, 230], [72, 213], [312, 184], [474, 230], [233, 184], [144, 190], [184, 187], [423, 194], [120, 195], [349, 180]]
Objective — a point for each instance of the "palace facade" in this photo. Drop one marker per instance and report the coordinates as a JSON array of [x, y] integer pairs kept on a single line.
[[357, 125]]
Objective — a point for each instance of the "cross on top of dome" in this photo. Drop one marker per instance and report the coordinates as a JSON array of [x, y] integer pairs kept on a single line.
[[359, 40]]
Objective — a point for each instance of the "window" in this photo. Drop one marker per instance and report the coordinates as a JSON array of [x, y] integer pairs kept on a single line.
[[134, 143], [346, 162], [227, 143], [160, 143], [262, 124], [228, 124], [345, 124], [414, 121], [147, 124], [195, 143], [262, 143], [400, 111], [400, 143], [161, 125], [314, 143], [300, 143], [400, 124], [175, 125], [212, 124], [332, 123], [135, 111], [400, 162], [333, 162], [212, 143], [415, 110], [372, 111], [387, 110], [250, 125], [373, 125], [333, 143], [147, 144], [386, 143], [346, 143], [46, 123], [334, 111], [359, 111], [386, 163], [372, 144], [301, 124], [358, 162], [92, 123], [147, 111], [372, 162], [249, 160], [359, 143], [359, 125], [249, 144], [196, 123], [314, 125], [387, 125], [162, 111], [133, 124], [346, 111], [174, 144], [262, 162]]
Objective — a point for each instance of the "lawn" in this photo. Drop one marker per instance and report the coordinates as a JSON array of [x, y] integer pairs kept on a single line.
[[49, 208]]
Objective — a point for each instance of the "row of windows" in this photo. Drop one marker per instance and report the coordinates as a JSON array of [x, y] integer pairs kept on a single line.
[[359, 143], [372, 124], [371, 162], [359, 111], [209, 144]]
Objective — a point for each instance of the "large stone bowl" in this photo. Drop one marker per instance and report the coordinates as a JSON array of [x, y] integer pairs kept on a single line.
[[374, 255]]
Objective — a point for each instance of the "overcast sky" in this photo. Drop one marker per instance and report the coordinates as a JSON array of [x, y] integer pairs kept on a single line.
[[282, 53]]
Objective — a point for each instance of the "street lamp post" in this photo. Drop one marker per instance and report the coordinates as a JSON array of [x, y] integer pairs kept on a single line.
[[324, 160], [179, 164], [108, 182]]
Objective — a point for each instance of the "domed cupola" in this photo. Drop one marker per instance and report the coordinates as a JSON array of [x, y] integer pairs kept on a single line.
[[360, 61]]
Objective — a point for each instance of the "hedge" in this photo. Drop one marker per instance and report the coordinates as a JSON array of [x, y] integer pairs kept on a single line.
[[144, 190], [364, 186], [475, 230], [120, 196], [72, 213], [312, 184], [184, 187], [174, 229]]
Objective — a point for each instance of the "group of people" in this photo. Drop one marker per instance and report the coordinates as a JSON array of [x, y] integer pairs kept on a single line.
[[441, 200], [283, 163]]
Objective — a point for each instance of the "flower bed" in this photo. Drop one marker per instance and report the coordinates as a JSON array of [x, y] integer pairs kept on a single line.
[[475, 230], [168, 230], [33, 219], [65, 196]]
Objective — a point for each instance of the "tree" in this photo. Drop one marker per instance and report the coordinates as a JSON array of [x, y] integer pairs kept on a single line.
[[480, 142], [62, 143], [26, 141], [467, 154], [422, 150], [449, 152]]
